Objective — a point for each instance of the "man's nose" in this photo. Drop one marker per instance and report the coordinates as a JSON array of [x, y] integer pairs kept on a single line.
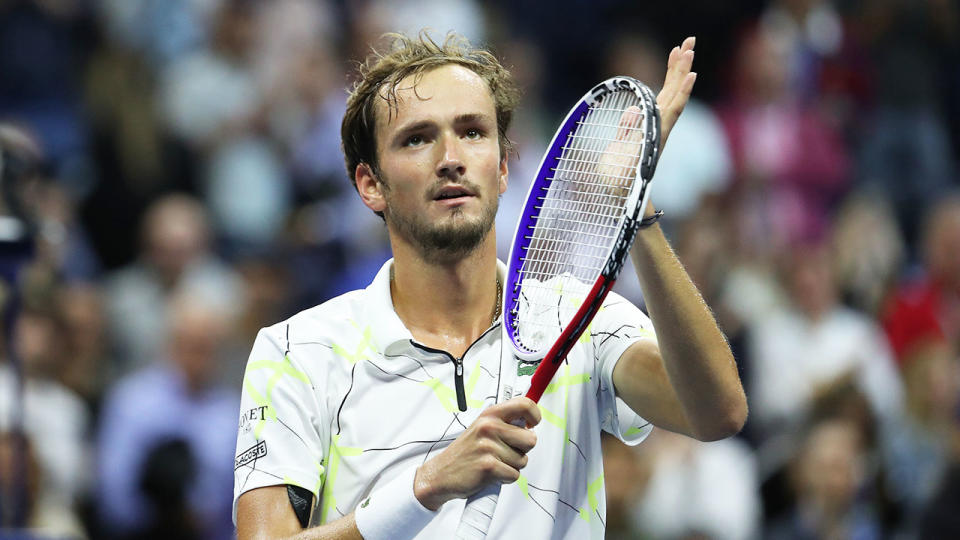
[[450, 162]]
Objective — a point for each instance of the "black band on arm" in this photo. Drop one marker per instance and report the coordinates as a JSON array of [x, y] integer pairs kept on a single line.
[[301, 499]]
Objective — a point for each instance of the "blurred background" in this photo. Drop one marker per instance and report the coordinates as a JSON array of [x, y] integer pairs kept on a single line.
[[173, 182]]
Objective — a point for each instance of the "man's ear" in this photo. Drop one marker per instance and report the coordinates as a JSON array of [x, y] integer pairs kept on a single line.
[[370, 188], [503, 175]]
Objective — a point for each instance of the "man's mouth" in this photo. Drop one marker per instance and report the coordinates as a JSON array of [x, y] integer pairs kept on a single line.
[[452, 192]]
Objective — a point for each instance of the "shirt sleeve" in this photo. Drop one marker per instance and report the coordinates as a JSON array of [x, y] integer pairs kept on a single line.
[[616, 326], [282, 430]]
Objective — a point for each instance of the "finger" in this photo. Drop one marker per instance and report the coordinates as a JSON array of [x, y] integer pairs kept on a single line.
[[502, 473], [669, 80], [683, 95], [629, 124], [671, 113], [675, 62], [673, 57], [519, 439], [509, 456], [675, 77], [678, 65], [522, 408]]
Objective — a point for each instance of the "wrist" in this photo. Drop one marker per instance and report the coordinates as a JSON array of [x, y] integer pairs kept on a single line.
[[393, 510], [424, 489], [650, 220]]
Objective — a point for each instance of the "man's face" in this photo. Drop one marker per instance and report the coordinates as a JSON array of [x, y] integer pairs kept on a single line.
[[440, 172]]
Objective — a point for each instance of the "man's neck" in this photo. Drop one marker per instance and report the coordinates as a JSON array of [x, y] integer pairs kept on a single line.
[[446, 306]]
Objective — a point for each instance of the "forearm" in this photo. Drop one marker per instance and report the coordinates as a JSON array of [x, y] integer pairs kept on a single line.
[[695, 353], [344, 528]]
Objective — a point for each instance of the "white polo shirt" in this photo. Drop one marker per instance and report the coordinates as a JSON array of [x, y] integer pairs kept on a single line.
[[340, 400]]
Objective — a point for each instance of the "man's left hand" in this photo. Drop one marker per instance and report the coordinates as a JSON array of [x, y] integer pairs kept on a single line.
[[677, 86]]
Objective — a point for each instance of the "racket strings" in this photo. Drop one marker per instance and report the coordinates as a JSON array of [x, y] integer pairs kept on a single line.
[[579, 216]]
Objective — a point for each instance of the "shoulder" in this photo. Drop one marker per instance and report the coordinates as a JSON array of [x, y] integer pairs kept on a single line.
[[318, 339], [323, 322]]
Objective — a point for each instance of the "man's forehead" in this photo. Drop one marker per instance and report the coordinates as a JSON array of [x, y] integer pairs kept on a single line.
[[420, 87]]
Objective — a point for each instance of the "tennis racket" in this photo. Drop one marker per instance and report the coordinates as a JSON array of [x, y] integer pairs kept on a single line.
[[579, 220]]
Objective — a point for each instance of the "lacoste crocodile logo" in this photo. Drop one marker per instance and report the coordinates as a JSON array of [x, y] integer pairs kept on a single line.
[[526, 368]]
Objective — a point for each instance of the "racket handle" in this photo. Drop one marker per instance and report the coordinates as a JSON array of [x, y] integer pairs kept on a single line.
[[478, 513]]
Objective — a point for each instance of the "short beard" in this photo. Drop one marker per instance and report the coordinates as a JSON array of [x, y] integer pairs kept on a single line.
[[447, 242]]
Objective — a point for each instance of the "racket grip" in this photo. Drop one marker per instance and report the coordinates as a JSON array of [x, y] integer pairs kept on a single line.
[[478, 513]]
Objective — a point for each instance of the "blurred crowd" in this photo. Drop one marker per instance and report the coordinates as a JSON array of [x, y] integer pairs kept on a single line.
[[181, 185]]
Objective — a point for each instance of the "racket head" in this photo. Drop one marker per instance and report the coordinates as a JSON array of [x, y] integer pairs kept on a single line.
[[580, 215]]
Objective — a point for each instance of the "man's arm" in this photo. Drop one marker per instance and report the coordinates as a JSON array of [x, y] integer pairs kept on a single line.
[[689, 383], [266, 513]]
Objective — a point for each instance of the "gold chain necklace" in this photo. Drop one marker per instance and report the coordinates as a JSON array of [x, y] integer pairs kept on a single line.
[[497, 306]]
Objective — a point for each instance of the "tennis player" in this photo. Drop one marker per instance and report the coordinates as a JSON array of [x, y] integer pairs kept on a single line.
[[375, 414]]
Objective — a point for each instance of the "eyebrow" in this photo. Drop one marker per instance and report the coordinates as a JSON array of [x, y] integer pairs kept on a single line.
[[466, 118]]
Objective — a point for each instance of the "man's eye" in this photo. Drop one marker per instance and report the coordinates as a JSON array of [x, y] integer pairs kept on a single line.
[[474, 133], [414, 140]]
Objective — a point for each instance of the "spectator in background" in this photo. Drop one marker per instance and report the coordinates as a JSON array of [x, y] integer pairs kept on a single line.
[[19, 483], [869, 249], [920, 451], [914, 47], [176, 259], [41, 56], [302, 77], [927, 307], [812, 32], [55, 419], [695, 489], [922, 320], [81, 308], [812, 343], [172, 419], [213, 100], [30, 194], [829, 473], [267, 295], [791, 166], [159, 30], [62, 243], [212, 93]]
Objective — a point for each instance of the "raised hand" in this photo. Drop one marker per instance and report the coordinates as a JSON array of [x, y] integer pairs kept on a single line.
[[492, 450], [620, 157], [677, 86]]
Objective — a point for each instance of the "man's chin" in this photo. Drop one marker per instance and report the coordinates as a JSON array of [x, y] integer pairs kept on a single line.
[[448, 241], [447, 237], [455, 240]]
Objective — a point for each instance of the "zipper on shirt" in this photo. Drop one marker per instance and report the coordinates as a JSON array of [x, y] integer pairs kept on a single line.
[[457, 367], [458, 383]]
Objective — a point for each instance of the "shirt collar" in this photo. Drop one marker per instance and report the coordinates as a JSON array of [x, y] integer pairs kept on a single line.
[[388, 329]]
